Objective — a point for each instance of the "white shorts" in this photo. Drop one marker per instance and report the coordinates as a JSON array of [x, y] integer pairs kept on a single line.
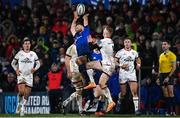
[[108, 66], [27, 79], [127, 77], [73, 66]]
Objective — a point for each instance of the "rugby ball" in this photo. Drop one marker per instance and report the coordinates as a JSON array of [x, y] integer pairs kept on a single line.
[[80, 9]]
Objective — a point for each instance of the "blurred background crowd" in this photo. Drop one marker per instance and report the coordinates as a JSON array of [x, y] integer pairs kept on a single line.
[[47, 23]]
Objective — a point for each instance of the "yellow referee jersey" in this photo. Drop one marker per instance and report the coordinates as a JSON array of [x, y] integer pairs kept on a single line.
[[166, 61]]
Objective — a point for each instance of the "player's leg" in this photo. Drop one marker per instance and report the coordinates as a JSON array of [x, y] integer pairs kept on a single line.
[[78, 84], [75, 82], [123, 87], [89, 66], [106, 92], [170, 89], [165, 92], [79, 89], [87, 75], [100, 111], [133, 87], [21, 89], [171, 99], [29, 83]]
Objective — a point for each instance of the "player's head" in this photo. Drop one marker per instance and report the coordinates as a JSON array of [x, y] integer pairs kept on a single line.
[[127, 43], [165, 45], [79, 26], [92, 37], [26, 44], [107, 32]]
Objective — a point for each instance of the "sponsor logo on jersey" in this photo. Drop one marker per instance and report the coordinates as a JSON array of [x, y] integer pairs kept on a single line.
[[26, 60], [129, 58]]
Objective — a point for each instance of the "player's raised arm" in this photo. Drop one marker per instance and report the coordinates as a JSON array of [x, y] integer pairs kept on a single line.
[[73, 25], [85, 18]]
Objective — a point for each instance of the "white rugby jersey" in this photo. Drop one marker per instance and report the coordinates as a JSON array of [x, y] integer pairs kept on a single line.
[[107, 47], [72, 52], [127, 57], [26, 61]]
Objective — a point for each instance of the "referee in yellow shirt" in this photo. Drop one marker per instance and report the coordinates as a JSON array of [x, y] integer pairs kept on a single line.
[[167, 66]]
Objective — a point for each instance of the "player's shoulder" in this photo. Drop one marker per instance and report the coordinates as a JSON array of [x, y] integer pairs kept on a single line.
[[134, 51], [71, 47], [121, 51], [32, 52], [161, 54], [20, 52], [171, 53], [108, 40]]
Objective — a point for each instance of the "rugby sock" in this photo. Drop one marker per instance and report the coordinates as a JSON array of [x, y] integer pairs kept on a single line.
[[82, 70], [69, 99], [136, 103], [172, 104], [20, 99], [100, 105], [79, 102], [24, 101], [107, 93], [167, 101], [90, 74]]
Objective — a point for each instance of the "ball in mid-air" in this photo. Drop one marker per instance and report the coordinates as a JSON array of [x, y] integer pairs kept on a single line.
[[80, 9]]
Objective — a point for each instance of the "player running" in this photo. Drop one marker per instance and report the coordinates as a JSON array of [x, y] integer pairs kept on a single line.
[[127, 73], [23, 63]]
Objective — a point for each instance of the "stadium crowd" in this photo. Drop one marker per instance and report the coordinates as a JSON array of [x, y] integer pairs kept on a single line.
[[47, 24]]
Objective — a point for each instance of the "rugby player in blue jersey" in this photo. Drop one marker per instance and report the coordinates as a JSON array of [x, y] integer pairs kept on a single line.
[[81, 33]]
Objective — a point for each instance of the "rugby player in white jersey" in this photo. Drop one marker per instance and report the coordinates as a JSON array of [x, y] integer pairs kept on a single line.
[[25, 63], [107, 66], [76, 77], [126, 58]]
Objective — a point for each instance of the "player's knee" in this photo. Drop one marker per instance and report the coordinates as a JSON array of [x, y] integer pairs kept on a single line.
[[171, 93], [134, 93], [96, 94], [21, 91]]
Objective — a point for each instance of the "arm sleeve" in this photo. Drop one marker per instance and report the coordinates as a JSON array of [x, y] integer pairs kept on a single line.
[[69, 51], [117, 55], [37, 62], [173, 58], [86, 31], [136, 55], [14, 62]]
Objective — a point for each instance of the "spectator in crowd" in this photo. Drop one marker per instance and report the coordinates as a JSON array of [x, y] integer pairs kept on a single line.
[[9, 84], [55, 86], [12, 47], [38, 86]]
